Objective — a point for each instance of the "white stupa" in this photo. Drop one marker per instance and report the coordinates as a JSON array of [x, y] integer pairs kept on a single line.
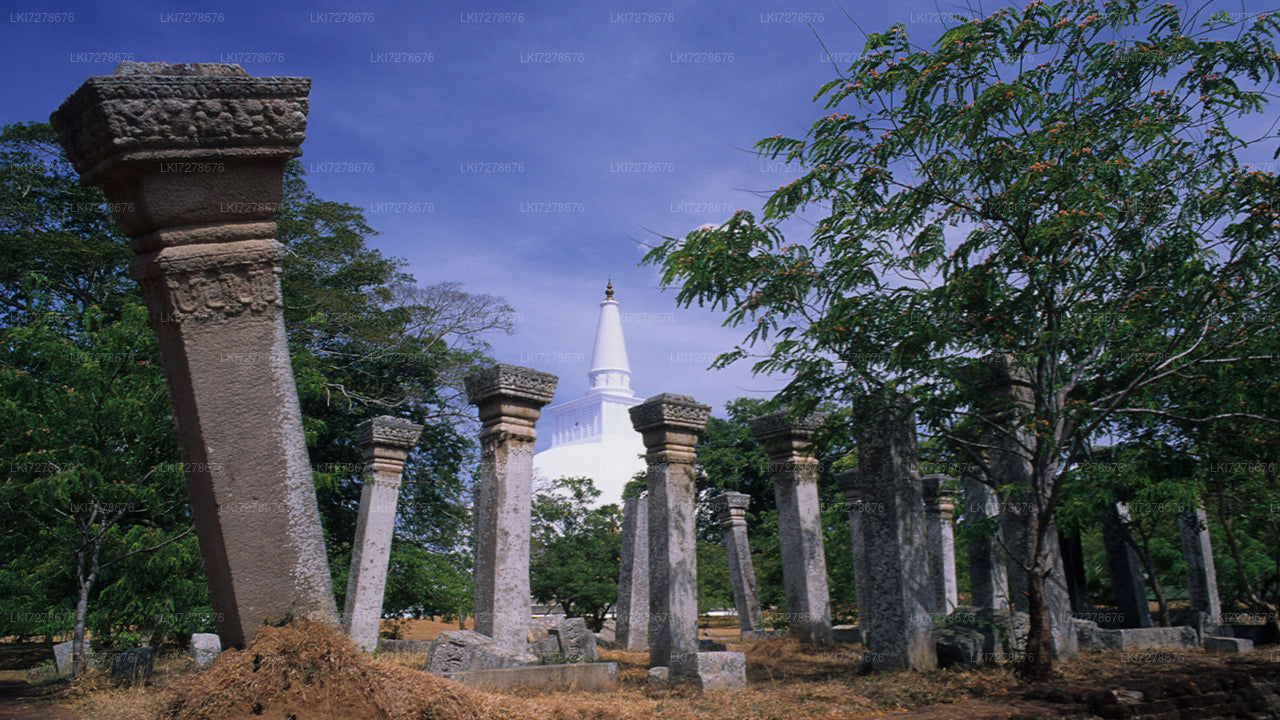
[[592, 436]]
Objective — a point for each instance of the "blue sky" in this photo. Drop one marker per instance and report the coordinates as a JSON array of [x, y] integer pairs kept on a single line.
[[522, 149]]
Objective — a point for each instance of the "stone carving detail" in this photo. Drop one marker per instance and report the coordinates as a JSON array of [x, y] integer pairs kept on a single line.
[[670, 409], [216, 294], [160, 108], [513, 380], [388, 430], [779, 423]]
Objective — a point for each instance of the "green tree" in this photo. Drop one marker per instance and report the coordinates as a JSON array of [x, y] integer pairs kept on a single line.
[[576, 550], [1058, 184], [93, 480]]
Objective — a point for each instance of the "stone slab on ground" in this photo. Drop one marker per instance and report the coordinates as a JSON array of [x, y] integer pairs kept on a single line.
[[467, 650], [721, 670], [846, 634], [577, 642], [204, 649], [1227, 645], [1096, 638], [659, 677], [133, 665], [582, 677], [62, 656]]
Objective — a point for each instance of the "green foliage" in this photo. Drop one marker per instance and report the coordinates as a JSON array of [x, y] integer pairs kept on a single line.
[[576, 550], [715, 587]]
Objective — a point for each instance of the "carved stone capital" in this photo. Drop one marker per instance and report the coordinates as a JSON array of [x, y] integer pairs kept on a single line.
[[509, 399], [191, 148], [781, 423], [731, 507], [669, 423], [512, 381], [204, 283], [388, 430]]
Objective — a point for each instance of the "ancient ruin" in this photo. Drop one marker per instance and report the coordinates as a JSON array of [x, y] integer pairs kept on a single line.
[[190, 157]]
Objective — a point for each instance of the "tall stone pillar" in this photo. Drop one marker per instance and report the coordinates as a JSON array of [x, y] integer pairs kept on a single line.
[[988, 574], [386, 442], [900, 596], [1012, 404], [633, 576], [794, 471], [853, 504], [190, 158], [1125, 569], [939, 511], [731, 511], [670, 425], [1202, 576], [1073, 565], [509, 399]]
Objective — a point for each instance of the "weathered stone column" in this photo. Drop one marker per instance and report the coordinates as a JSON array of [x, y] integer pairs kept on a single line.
[[386, 442], [794, 471], [939, 511], [731, 511], [1012, 401], [988, 574], [190, 158], [900, 594], [633, 576], [509, 399], [1125, 569], [853, 504], [1202, 576], [670, 425]]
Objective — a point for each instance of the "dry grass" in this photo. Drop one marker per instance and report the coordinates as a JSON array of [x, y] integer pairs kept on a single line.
[[311, 671]]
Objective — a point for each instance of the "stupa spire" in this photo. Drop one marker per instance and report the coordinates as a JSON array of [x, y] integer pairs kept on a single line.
[[610, 372]]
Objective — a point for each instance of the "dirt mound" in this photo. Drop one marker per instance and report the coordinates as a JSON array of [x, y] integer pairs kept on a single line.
[[308, 670]]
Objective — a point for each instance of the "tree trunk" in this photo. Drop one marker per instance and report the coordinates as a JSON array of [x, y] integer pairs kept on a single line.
[[85, 578], [1037, 661]]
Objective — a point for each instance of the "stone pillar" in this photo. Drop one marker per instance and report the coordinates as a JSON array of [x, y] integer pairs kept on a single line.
[[988, 574], [1125, 569], [1012, 401], [1073, 565], [190, 157], [731, 509], [386, 442], [794, 471], [633, 577], [900, 596], [939, 511], [853, 504], [1202, 577], [670, 425], [509, 399]]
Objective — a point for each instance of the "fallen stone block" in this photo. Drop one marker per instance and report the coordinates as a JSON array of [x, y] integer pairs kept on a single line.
[[1227, 645], [659, 677], [958, 645], [709, 645], [540, 626], [204, 649], [588, 677], [467, 650], [1158, 637], [721, 670], [577, 642]]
